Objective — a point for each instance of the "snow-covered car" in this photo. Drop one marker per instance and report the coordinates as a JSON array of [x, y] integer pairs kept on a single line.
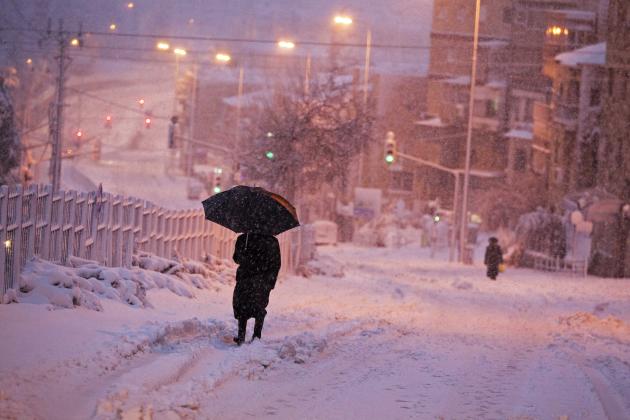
[[325, 232]]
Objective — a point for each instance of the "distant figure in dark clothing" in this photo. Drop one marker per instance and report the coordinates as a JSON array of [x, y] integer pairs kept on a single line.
[[493, 257], [258, 257]]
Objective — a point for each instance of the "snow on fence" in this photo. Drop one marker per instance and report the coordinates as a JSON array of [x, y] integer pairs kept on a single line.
[[107, 228]]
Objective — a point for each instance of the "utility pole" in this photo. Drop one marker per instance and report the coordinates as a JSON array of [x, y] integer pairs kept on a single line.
[[56, 133], [463, 233]]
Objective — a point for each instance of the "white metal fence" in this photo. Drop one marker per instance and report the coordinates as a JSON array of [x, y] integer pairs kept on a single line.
[[107, 228]]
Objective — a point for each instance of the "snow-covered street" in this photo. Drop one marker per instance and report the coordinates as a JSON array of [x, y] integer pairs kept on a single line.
[[399, 336]]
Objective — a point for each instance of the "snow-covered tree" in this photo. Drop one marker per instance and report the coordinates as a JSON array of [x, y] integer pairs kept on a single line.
[[302, 140], [9, 138]]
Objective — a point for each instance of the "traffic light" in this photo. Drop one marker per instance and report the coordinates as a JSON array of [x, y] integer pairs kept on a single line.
[[390, 148], [217, 180], [171, 131], [147, 122], [108, 121], [270, 155]]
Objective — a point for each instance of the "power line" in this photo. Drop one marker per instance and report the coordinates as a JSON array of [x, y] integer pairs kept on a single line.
[[232, 40]]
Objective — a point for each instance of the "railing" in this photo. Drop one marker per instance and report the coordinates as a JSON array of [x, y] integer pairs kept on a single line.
[[108, 229], [540, 261]]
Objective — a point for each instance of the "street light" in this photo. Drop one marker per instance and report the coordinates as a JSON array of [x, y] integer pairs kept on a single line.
[[163, 46], [113, 27], [346, 21], [179, 52], [130, 5], [342, 20], [75, 42], [286, 45], [223, 58], [463, 232]]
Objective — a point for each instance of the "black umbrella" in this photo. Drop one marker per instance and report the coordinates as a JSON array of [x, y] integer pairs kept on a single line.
[[244, 209]]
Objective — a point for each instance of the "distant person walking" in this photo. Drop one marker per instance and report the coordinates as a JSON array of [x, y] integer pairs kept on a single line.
[[493, 257], [258, 257]]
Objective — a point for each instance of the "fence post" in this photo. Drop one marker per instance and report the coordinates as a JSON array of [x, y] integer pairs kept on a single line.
[[68, 225], [4, 263], [28, 249], [46, 222], [16, 246], [82, 228]]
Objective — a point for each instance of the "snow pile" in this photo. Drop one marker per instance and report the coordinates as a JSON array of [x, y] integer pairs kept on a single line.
[[388, 230], [322, 265], [300, 348], [609, 326], [85, 282]]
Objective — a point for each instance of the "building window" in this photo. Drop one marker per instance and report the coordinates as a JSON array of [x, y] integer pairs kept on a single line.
[[508, 15], [596, 96], [520, 160], [491, 108], [401, 181]]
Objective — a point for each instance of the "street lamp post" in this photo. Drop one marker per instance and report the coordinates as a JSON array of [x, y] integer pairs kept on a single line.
[[463, 233], [345, 20]]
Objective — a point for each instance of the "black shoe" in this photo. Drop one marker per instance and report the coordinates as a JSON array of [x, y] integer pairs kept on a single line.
[[238, 341]]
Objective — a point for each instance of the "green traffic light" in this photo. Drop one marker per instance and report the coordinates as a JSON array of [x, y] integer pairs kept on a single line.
[[270, 155], [217, 190], [389, 158]]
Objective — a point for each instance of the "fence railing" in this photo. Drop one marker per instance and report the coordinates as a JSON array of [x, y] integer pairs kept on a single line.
[[108, 229], [540, 261]]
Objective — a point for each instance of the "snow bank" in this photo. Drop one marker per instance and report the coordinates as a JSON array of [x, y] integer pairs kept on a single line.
[[85, 282], [322, 265], [389, 230]]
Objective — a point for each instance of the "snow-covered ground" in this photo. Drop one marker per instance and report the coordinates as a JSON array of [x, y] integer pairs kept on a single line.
[[400, 335]]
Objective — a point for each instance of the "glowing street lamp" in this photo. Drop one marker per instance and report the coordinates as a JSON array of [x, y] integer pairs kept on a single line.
[[29, 61], [286, 45], [342, 20], [7, 244], [179, 52], [163, 46], [223, 58], [130, 5], [74, 42], [113, 27]]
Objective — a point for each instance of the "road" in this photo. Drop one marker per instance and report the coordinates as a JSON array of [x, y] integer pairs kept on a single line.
[[399, 336]]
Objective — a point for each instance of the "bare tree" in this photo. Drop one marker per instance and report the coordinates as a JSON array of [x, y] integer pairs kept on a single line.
[[304, 139], [10, 146]]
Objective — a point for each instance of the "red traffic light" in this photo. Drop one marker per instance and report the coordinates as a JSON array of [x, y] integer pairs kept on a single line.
[[108, 121], [79, 133], [147, 122]]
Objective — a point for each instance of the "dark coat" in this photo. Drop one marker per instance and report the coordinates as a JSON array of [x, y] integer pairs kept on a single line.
[[258, 257], [492, 259]]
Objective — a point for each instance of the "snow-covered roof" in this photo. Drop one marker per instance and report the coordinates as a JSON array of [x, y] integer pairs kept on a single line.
[[520, 134], [460, 80], [577, 14], [431, 122], [591, 54], [497, 84]]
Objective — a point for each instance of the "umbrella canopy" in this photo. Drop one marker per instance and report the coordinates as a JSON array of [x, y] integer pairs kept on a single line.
[[244, 209]]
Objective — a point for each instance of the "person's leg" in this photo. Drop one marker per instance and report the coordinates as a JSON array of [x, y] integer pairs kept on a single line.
[[242, 328], [258, 326]]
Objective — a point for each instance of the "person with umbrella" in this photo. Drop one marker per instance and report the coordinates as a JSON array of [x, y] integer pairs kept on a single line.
[[258, 259], [258, 215]]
